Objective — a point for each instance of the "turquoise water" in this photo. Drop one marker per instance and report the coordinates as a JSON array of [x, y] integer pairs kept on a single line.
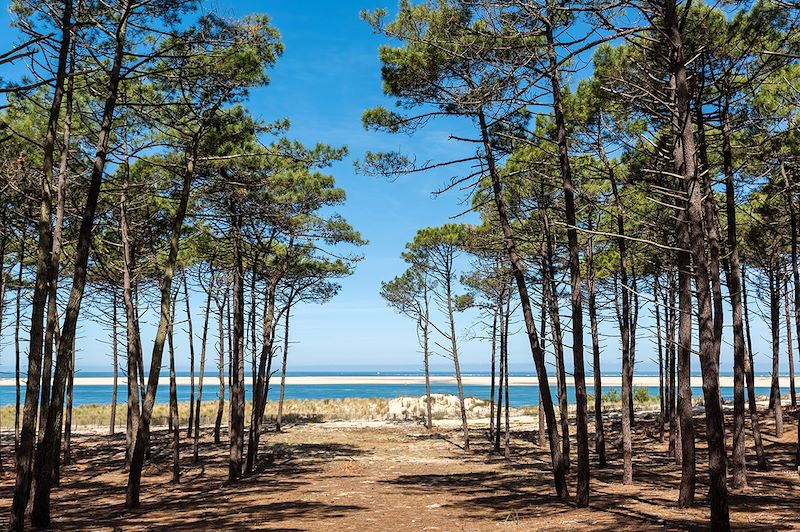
[[519, 395]]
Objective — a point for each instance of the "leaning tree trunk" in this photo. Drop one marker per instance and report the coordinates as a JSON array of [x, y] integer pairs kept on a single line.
[[456, 364], [50, 338], [48, 453], [518, 269], [143, 432], [27, 436]]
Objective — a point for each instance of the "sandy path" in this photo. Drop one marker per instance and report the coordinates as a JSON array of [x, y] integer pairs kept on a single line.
[[377, 475]]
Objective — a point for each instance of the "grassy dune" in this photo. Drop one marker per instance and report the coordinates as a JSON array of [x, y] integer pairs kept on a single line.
[[319, 410]]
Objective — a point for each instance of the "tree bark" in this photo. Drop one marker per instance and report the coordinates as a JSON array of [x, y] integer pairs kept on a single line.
[[203, 341], [625, 326], [283, 364], [789, 342], [221, 367], [27, 437], [261, 387], [517, 269], [143, 432], [114, 340], [48, 453], [775, 328], [599, 430], [751, 384], [237, 355], [694, 217], [174, 416], [190, 332], [456, 364], [734, 280], [576, 297]]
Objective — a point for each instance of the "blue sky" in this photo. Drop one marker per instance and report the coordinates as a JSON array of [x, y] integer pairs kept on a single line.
[[328, 76]]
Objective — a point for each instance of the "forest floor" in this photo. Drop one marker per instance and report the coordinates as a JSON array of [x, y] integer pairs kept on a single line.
[[397, 476]]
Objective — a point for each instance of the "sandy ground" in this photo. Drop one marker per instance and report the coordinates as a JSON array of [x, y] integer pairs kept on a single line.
[[608, 380], [378, 475]]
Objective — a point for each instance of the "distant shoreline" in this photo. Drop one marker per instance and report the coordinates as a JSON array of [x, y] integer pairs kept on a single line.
[[293, 380]]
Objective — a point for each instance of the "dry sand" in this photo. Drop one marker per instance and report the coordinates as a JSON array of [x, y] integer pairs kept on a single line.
[[608, 380], [397, 476]]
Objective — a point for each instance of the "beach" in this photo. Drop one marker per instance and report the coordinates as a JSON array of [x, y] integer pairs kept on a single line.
[[356, 380]]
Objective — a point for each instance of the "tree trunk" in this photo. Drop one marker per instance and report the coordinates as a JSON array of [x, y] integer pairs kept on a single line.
[[558, 342], [504, 355], [659, 341], [493, 376], [50, 339], [113, 421], [17, 347], [670, 302], [734, 280], [221, 367], [751, 384], [202, 368], [133, 337], [283, 364], [775, 328], [48, 454], [426, 356], [625, 326], [518, 269], [694, 216], [174, 416], [67, 419], [789, 342], [190, 332], [143, 432], [456, 364], [27, 436], [599, 430], [576, 297], [262, 382], [501, 383], [237, 355]]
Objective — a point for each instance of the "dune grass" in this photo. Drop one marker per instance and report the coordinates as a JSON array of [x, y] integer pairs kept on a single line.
[[95, 415], [348, 409]]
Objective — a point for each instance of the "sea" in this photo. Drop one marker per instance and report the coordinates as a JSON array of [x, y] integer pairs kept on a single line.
[[519, 394]]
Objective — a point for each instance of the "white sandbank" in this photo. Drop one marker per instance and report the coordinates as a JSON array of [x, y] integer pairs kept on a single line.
[[608, 380]]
